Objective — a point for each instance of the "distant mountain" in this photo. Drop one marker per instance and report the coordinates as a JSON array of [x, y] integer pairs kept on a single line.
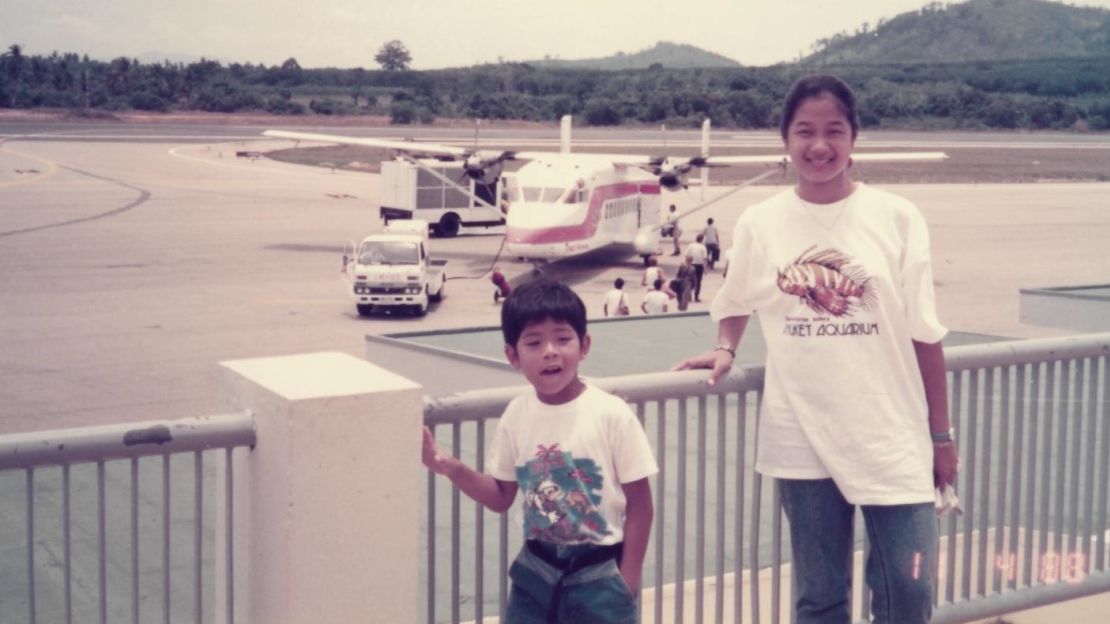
[[973, 31], [665, 53]]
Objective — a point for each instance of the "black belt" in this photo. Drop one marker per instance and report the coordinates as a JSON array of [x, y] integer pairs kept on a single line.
[[570, 565]]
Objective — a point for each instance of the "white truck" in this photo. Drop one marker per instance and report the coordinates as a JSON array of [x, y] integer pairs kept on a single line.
[[412, 191], [393, 270]]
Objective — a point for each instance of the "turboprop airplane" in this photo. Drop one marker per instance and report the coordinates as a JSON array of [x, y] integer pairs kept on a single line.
[[563, 204]]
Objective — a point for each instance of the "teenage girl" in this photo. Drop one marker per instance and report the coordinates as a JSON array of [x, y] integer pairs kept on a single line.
[[855, 408]]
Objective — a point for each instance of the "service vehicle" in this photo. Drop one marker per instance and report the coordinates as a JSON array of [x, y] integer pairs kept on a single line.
[[393, 270], [432, 191]]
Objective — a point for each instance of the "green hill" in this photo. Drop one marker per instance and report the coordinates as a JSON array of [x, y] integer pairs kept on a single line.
[[987, 30], [664, 53]]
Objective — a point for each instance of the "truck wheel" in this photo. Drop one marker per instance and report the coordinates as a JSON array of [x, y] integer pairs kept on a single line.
[[448, 225], [439, 295], [364, 309], [420, 309]]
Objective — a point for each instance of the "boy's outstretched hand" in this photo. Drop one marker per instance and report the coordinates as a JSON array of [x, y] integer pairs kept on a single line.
[[719, 361], [434, 457]]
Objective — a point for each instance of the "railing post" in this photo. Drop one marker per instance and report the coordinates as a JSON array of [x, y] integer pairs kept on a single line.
[[327, 504]]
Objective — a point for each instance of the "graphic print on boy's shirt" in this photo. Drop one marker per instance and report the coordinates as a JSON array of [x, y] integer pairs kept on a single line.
[[561, 497], [827, 282]]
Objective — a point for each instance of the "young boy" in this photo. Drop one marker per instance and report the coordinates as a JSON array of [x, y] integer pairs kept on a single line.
[[582, 462]]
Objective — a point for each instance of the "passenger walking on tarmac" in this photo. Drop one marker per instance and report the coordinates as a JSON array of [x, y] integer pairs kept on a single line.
[[581, 460], [652, 273], [615, 303], [683, 283], [697, 252], [655, 301], [672, 229], [712, 241], [855, 409]]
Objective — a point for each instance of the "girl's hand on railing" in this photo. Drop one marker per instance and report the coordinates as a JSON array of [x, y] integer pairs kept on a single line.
[[718, 361], [946, 463]]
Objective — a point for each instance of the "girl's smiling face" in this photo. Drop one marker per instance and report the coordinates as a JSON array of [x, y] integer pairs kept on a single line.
[[548, 353], [819, 140]]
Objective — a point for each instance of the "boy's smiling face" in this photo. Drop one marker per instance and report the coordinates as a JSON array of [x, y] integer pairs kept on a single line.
[[548, 353]]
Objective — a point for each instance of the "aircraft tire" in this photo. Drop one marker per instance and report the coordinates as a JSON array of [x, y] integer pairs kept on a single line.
[[364, 309], [448, 225]]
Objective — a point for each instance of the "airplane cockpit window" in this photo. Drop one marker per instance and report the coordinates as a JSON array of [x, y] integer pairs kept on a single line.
[[545, 194], [388, 252]]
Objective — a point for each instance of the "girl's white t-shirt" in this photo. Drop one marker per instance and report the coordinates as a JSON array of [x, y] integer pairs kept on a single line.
[[841, 291]]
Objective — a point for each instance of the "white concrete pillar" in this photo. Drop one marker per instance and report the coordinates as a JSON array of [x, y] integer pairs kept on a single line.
[[327, 505]]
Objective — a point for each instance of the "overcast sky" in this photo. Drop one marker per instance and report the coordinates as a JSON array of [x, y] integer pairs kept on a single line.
[[438, 33]]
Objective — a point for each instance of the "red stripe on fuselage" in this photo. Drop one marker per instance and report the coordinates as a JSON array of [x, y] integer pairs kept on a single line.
[[588, 228]]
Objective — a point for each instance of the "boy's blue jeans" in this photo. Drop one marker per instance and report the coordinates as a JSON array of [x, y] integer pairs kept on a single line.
[[899, 570], [595, 593]]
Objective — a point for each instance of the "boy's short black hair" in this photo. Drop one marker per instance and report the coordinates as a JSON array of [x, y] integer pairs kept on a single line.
[[538, 301]]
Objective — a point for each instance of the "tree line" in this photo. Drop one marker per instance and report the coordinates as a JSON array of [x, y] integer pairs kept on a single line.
[[1043, 94]]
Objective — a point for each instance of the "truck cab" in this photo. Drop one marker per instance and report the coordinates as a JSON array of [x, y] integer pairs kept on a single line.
[[394, 270]]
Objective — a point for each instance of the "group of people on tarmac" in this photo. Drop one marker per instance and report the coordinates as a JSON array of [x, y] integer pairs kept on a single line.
[[700, 257]]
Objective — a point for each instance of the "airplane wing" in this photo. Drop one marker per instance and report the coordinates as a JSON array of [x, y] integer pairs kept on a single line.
[[404, 146], [856, 156], [898, 156]]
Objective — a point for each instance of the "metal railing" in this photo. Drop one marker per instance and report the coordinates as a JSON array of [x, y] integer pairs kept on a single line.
[[1034, 434], [116, 565]]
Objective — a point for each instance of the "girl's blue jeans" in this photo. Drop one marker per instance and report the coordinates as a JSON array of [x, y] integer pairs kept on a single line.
[[900, 567]]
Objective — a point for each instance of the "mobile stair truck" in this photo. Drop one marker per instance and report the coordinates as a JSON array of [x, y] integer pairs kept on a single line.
[[393, 270]]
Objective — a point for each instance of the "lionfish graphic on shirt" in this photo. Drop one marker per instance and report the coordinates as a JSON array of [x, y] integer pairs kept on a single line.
[[826, 282]]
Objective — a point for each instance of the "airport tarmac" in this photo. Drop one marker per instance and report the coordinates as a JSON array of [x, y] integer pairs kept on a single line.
[[132, 266]]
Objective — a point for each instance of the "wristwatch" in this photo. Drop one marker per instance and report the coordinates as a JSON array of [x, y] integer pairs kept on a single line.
[[943, 436], [731, 350]]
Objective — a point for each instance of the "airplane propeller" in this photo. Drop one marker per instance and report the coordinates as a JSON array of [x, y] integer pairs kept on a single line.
[[673, 175], [485, 166]]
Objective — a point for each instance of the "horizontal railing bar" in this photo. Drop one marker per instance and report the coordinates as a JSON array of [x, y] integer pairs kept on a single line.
[[991, 354], [665, 385], [123, 441], [1009, 602]]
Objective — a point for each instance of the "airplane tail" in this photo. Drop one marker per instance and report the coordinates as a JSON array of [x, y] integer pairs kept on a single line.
[[564, 135], [704, 154]]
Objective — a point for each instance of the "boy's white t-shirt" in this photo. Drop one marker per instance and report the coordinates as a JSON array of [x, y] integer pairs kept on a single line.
[[569, 461], [841, 290]]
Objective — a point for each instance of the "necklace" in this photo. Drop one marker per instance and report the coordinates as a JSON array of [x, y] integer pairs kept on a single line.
[[826, 215]]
